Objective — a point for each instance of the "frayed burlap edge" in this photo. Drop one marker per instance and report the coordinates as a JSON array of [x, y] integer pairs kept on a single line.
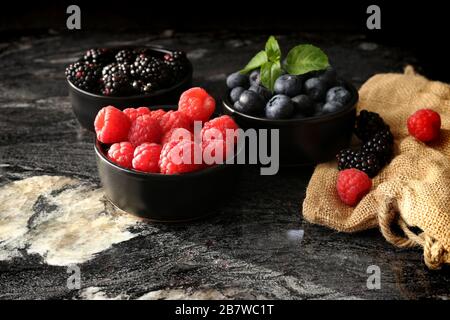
[[387, 217]]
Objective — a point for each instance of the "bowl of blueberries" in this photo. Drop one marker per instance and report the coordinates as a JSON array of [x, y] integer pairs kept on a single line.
[[314, 111], [125, 77]]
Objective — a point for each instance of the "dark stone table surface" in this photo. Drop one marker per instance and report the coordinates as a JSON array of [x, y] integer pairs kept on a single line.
[[53, 214]]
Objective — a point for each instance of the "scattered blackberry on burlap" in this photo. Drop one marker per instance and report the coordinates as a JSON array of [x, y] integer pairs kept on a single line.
[[368, 124], [151, 70], [98, 55], [177, 62], [84, 75], [116, 81], [359, 159], [126, 56], [376, 150], [381, 144]]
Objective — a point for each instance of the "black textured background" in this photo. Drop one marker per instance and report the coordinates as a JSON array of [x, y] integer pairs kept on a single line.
[[244, 247]]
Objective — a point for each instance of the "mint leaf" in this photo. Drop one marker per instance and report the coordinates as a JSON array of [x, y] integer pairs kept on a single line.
[[305, 58], [273, 49], [270, 71], [257, 61]]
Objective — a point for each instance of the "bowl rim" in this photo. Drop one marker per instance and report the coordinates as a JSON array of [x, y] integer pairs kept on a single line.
[[140, 96], [226, 102], [217, 167]]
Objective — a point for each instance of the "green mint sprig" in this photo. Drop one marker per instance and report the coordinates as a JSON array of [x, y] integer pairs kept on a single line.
[[305, 58], [300, 60]]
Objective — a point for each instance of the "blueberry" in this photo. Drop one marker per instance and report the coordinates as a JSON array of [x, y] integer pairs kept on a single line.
[[237, 80], [288, 85], [339, 95], [262, 91], [330, 107], [329, 76], [255, 77], [318, 109], [303, 104], [235, 93], [316, 88], [298, 116], [279, 107], [249, 102]]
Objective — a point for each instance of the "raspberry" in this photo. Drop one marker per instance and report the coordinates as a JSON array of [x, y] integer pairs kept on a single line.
[[146, 157], [221, 124], [111, 125], [174, 119], [197, 104], [352, 185], [424, 125], [178, 157], [209, 149], [157, 114], [144, 129], [177, 134], [121, 153], [133, 113]]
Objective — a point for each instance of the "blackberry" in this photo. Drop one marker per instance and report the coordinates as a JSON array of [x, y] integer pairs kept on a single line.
[[84, 75], [149, 87], [115, 80], [140, 86], [177, 62], [116, 67], [368, 124], [359, 159], [151, 70], [381, 144], [137, 86], [98, 55], [126, 56]]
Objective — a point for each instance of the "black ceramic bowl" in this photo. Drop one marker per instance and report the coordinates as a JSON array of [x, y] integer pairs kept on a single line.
[[166, 198], [86, 105], [305, 141]]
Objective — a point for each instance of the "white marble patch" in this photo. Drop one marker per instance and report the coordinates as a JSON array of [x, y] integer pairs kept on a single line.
[[182, 294], [96, 293], [59, 218]]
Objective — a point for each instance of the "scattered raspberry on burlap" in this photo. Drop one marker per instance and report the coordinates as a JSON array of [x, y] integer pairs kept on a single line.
[[413, 190]]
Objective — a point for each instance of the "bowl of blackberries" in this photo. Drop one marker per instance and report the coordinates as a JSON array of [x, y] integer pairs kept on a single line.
[[302, 96], [125, 77]]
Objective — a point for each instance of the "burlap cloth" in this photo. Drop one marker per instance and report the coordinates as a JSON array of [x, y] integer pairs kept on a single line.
[[413, 190]]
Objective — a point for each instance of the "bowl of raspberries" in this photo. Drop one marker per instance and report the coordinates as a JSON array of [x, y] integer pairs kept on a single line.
[[167, 163], [125, 76]]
